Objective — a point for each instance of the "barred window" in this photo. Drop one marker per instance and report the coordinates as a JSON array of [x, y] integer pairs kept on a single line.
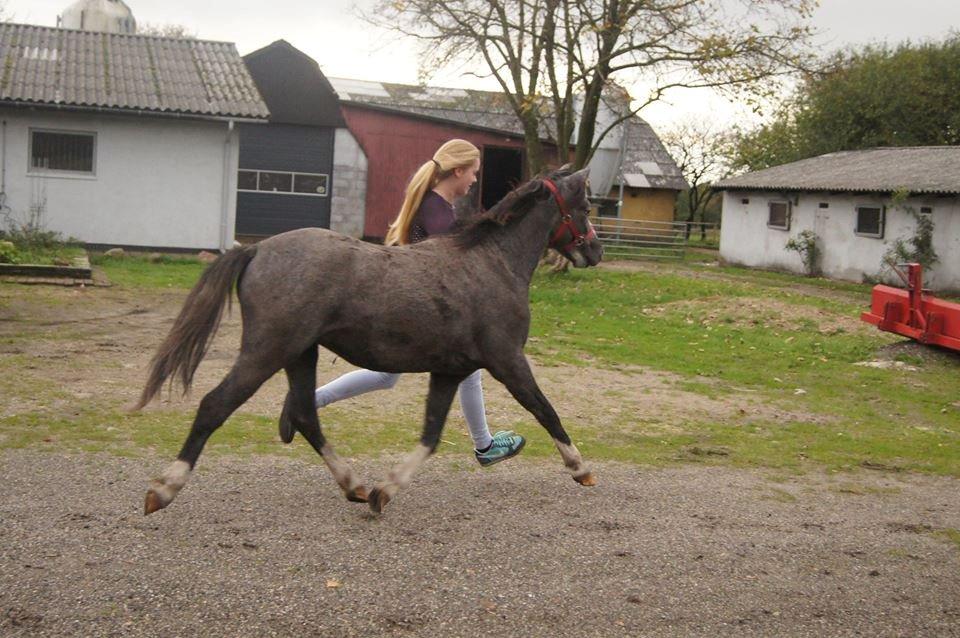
[[58, 151]]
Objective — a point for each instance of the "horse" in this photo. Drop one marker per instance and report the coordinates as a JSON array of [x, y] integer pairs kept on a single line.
[[449, 305]]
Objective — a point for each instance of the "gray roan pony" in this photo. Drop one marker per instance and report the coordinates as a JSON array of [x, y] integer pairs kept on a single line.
[[447, 306]]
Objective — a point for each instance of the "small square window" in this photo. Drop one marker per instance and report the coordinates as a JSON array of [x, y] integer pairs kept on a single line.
[[824, 205], [779, 217], [275, 182], [247, 180], [926, 210], [67, 152], [312, 184], [870, 221], [745, 201]]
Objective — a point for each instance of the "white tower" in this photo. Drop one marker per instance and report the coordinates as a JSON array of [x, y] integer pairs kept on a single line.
[[112, 16]]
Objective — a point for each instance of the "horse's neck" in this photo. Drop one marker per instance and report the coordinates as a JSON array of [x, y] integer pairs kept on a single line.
[[522, 243]]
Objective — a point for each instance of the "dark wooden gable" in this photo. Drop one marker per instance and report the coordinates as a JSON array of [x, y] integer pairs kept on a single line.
[[293, 86]]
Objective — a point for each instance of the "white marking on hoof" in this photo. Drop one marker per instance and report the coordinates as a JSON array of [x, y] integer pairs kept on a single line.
[[571, 458], [341, 471], [171, 481], [401, 475]]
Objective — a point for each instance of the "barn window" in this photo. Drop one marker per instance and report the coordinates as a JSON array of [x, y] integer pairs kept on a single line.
[[870, 220], [276, 182], [57, 151], [307, 183], [284, 182], [779, 217], [247, 180]]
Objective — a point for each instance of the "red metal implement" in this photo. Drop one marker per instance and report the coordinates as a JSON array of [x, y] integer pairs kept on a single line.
[[914, 312]]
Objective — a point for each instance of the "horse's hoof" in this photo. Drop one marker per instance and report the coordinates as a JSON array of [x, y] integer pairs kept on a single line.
[[286, 426], [378, 500], [358, 495], [152, 503], [587, 480]]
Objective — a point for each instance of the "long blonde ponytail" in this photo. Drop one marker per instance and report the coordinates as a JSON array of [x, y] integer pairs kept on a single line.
[[453, 154]]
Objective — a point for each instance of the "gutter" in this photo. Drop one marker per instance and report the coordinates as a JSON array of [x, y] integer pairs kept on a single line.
[[225, 193], [140, 112], [802, 189]]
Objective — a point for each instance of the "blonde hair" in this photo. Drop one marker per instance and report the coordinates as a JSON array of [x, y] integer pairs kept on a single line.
[[452, 155]]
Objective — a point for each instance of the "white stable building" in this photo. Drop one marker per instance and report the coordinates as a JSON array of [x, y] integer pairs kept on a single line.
[[847, 200], [113, 138]]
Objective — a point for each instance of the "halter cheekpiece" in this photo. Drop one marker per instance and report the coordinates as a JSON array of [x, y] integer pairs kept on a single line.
[[566, 224]]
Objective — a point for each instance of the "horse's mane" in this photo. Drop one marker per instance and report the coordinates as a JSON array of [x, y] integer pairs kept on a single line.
[[473, 229]]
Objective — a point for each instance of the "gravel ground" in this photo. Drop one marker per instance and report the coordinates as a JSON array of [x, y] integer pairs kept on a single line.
[[264, 546]]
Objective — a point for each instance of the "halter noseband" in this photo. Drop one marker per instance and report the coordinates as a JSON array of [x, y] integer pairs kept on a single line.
[[566, 224]]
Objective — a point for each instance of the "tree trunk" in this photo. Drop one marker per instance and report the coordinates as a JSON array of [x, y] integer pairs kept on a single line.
[[588, 122], [534, 147]]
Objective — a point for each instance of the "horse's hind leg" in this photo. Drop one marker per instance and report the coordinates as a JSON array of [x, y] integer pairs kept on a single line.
[[442, 389], [248, 373], [299, 413], [518, 378]]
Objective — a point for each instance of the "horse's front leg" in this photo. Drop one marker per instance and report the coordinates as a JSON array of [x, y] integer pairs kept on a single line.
[[442, 389], [516, 375], [300, 414]]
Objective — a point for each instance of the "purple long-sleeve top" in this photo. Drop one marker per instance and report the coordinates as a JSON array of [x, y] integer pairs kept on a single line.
[[434, 217]]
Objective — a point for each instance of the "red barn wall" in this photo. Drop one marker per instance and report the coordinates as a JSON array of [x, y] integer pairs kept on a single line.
[[396, 145]]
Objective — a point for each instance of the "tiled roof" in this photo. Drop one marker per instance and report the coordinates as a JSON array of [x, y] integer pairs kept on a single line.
[[919, 169], [480, 109], [646, 163], [44, 65]]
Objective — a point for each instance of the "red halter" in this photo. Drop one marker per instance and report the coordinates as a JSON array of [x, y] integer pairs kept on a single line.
[[566, 224]]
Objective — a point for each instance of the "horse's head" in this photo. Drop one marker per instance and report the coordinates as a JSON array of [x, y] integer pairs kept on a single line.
[[573, 235]]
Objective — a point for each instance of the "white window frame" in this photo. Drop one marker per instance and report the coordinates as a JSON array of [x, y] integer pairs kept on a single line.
[[56, 172], [883, 220], [789, 206], [293, 179]]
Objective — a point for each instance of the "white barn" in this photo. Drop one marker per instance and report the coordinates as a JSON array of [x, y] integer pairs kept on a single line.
[[846, 199], [122, 140]]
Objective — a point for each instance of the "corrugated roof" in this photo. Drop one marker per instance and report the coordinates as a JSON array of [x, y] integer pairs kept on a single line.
[[45, 65], [646, 163], [919, 169], [480, 109]]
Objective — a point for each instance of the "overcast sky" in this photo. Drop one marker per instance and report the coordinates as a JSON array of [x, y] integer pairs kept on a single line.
[[329, 32]]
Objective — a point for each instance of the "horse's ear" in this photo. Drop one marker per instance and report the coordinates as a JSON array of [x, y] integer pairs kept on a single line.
[[577, 182]]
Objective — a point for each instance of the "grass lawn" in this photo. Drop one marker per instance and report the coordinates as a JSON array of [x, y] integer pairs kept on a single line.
[[790, 343]]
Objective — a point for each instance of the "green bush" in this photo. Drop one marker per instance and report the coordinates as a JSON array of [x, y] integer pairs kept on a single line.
[[9, 253]]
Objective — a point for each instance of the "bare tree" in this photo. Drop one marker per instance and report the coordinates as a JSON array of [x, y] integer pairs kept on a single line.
[[168, 30], [702, 152], [553, 58]]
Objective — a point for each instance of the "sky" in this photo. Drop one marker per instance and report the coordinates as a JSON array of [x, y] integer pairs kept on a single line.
[[331, 33]]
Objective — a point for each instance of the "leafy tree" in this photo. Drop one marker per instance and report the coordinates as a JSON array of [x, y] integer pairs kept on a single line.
[[908, 95], [166, 30], [554, 58]]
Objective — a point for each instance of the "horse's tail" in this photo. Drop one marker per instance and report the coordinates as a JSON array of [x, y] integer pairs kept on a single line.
[[187, 343]]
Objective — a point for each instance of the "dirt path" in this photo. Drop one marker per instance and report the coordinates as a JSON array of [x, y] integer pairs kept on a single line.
[[266, 547], [263, 546]]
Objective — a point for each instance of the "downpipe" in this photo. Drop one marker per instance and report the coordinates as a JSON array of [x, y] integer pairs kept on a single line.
[[225, 196]]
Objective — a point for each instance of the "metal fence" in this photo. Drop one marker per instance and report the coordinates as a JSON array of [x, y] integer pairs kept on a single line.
[[629, 239], [704, 234]]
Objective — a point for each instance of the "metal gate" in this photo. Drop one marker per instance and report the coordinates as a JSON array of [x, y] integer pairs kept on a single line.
[[632, 239]]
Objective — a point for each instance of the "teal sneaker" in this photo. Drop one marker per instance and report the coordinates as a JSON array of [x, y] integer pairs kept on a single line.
[[505, 445]]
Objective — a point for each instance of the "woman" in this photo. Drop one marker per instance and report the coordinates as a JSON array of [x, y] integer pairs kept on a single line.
[[427, 211]]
